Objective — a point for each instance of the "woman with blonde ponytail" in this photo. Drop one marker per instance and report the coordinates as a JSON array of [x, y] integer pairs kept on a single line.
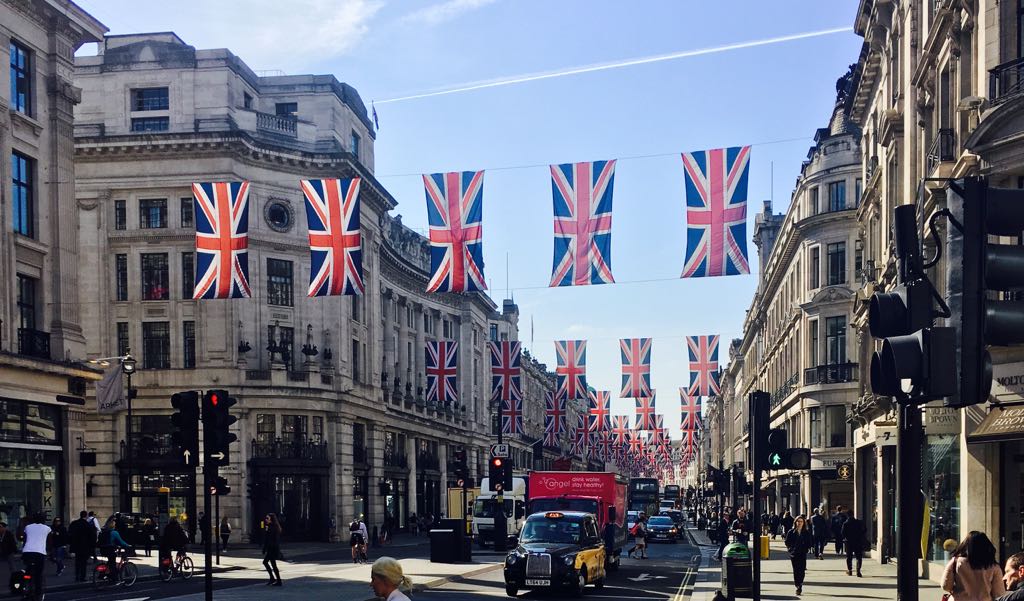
[[388, 581]]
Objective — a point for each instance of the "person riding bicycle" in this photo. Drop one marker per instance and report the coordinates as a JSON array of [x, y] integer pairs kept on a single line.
[[174, 539], [38, 538], [109, 542]]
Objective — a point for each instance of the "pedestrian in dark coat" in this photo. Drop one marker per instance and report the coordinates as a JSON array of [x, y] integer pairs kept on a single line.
[[837, 528], [820, 530], [722, 533], [855, 538], [786, 522], [773, 523], [82, 540], [272, 549], [799, 543]]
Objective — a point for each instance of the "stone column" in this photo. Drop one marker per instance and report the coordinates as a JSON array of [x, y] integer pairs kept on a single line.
[[402, 352], [410, 451], [418, 352], [342, 476], [375, 446]]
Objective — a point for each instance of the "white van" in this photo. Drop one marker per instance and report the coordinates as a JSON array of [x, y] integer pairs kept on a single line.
[[485, 508]]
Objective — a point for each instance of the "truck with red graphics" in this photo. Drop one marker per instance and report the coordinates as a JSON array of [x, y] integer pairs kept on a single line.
[[600, 493]]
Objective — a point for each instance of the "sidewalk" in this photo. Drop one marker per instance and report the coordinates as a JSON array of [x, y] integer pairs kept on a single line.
[[826, 578]]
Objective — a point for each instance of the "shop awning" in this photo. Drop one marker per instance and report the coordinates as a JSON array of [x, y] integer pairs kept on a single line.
[[1003, 422]]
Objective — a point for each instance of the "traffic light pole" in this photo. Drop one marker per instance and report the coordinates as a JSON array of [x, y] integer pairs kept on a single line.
[[500, 522], [760, 418], [208, 551], [908, 469]]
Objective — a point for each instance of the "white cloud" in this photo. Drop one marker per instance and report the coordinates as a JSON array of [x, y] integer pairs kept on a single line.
[[436, 14]]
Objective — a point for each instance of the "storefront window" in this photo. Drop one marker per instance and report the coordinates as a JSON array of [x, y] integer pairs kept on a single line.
[[360, 492], [396, 503], [29, 422], [29, 483], [940, 476]]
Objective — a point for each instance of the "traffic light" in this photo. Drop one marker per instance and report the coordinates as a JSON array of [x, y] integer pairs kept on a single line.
[[913, 350], [977, 270], [496, 474], [219, 486], [776, 448], [217, 421], [185, 423], [461, 466]]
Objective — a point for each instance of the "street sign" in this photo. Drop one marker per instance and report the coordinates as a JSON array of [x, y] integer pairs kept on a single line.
[[500, 450]]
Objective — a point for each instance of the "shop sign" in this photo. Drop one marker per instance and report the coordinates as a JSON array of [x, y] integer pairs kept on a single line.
[[829, 463], [1001, 423], [1008, 382], [942, 420], [885, 436], [844, 471]]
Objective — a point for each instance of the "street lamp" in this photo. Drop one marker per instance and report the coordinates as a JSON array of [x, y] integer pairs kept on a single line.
[[128, 365]]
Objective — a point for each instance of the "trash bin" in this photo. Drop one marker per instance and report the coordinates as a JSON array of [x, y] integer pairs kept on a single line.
[[442, 546], [764, 547], [737, 572]]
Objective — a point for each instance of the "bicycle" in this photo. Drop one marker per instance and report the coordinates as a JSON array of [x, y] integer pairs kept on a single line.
[[125, 572], [181, 565], [28, 582]]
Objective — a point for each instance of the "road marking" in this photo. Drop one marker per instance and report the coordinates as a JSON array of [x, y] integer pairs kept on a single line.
[[646, 576]]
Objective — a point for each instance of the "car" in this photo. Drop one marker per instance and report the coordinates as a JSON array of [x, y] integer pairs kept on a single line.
[[677, 517], [661, 527], [556, 549], [632, 517]]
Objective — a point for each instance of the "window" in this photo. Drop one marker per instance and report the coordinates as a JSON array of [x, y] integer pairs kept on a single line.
[[287, 109], [294, 428], [153, 213], [121, 276], [288, 342], [318, 429], [814, 200], [188, 275], [279, 282], [446, 329], [359, 435], [22, 171], [476, 371], [494, 332], [154, 276], [408, 316], [29, 422], [355, 361], [21, 78], [187, 215], [26, 302], [858, 258], [813, 342], [428, 324], [123, 343], [151, 124], [150, 99], [835, 425], [266, 428], [857, 190], [120, 215], [188, 347], [815, 419], [357, 309], [836, 263], [246, 100], [815, 271], [835, 333], [156, 345], [837, 196], [355, 144]]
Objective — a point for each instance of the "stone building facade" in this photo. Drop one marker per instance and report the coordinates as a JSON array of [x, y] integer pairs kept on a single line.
[[42, 343], [333, 422]]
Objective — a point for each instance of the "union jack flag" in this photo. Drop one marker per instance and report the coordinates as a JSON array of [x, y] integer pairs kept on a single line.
[[571, 371], [636, 367], [505, 370], [703, 365], [579, 442], [599, 411], [454, 210], [645, 413], [335, 242], [636, 441], [658, 431], [442, 367], [554, 419], [512, 416], [583, 223], [620, 428], [716, 212], [222, 240], [604, 444], [689, 410]]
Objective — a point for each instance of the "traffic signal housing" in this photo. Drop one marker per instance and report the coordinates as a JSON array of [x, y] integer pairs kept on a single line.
[[776, 449], [185, 427], [499, 474], [461, 466], [217, 420], [219, 486]]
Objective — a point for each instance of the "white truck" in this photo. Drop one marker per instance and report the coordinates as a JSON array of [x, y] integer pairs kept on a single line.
[[485, 507]]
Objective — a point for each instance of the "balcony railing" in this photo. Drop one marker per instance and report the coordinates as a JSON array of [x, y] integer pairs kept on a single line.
[[783, 391], [276, 123], [395, 460], [943, 148], [148, 447], [33, 343], [298, 449], [831, 374], [1004, 81], [427, 462]]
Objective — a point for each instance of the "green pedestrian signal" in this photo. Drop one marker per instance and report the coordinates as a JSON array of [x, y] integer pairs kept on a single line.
[[775, 460]]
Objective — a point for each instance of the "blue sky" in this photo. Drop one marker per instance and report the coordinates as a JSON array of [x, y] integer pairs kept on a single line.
[[393, 49]]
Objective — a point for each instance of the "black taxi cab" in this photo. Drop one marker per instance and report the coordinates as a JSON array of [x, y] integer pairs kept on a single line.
[[556, 549]]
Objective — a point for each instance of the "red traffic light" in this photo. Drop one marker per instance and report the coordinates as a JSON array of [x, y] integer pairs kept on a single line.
[[213, 399], [496, 462]]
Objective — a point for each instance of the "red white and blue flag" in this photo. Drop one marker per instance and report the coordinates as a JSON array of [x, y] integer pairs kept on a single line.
[[571, 369], [689, 410], [636, 367], [222, 240], [645, 413], [454, 211], [335, 242], [716, 212], [658, 431], [554, 419], [512, 416], [583, 223], [442, 369], [599, 411], [506, 370], [579, 441], [703, 352], [620, 429]]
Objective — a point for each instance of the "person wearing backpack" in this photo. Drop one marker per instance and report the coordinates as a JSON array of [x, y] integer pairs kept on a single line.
[[109, 542]]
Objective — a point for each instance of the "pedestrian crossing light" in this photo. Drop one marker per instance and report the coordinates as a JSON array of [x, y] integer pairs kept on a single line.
[[185, 424], [217, 420]]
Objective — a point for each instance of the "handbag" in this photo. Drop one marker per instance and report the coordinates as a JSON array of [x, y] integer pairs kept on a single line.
[[949, 596]]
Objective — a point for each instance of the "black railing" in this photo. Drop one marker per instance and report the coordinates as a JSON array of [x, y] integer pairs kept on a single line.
[[784, 391], [426, 461], [148, 447], [943, 148], [359, 455], [831, 374], [395, 460], [297, 449], [1004, 81], [33, 343]]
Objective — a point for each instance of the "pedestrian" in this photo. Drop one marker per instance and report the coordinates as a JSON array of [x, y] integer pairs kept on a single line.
[[1013, 578], [8, 546], [355, 540], [272, 549], [204, 527], [60, 543], [640, 534], [765, 523], [388, 581], [973, 574], [820, 529], [414, 524], [722, 533], [82, 540], [799, 543], [149, 532], [786, 522], [174, 539], [38, 541], [225, 533], [854, 533], [773, 522], [95, 521], [837, 528], [741, 527]]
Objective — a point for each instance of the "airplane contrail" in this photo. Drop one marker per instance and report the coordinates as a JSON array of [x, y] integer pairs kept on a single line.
[[506, 81]]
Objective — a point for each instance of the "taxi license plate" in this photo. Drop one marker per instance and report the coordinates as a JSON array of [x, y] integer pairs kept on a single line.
[[537, 582]]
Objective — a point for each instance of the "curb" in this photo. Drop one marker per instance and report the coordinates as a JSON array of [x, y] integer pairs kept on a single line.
[[147, 578], [448, 579]]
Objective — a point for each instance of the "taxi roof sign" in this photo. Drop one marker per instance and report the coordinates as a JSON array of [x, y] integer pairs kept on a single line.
[[554, 515]]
